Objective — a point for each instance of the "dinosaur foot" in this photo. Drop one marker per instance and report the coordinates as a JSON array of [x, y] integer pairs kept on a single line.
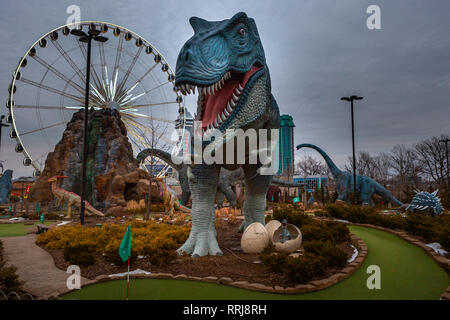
[[200, 244]]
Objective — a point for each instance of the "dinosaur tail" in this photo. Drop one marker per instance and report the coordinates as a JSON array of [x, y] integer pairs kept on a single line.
[[333, 168], [91, 209], [281, 183], [386, 195], [163, 155]]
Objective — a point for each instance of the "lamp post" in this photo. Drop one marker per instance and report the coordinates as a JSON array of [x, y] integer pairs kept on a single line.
[[87, 38], [1, 128], [446, 141], [351, 99]]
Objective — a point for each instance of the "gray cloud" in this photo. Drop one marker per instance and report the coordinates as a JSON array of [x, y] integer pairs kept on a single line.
[[317, 51]]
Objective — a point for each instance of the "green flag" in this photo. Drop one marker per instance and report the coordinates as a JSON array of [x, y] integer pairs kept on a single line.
[[125, 246]]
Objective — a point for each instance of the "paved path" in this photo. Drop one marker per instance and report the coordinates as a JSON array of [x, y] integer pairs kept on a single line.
[[35, 266]]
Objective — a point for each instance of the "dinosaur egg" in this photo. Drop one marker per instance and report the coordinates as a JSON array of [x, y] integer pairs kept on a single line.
[[255, 238], [291, 245], [271, 226]]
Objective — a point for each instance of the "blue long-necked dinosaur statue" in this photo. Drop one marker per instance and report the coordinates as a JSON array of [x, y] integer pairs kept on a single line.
[[344, 182], [225, 62]]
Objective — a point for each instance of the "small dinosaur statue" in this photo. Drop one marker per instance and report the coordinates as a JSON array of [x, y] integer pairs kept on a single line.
[[344, 182], [171, 201], [72, 198], [425, 202], [5, 186]]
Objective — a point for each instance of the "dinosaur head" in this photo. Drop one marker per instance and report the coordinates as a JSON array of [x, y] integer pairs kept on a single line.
[[223, 60], [55, 178]]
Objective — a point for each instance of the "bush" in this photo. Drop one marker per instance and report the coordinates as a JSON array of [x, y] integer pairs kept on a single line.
[[335, 256], [300, 270], [432, 228], [79, 255], [9, 280], [158, 241]]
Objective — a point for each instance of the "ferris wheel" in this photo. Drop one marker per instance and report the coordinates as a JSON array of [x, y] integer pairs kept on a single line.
[[127, 74]]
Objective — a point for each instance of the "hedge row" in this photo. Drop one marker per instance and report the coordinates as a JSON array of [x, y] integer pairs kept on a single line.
[[432, 228], [9, 280]]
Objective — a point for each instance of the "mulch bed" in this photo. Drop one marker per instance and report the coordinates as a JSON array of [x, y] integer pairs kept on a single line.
[[234, 263]]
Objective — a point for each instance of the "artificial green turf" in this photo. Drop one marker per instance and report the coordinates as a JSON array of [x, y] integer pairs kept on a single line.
[[16, 229], [407, 272]]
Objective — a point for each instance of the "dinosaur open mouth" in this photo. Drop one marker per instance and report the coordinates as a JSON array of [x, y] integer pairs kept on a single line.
[[217, 101]]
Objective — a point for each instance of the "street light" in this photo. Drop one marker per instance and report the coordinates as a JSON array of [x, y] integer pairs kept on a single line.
[[1, 128], [351, 98], [87, 38], [446, 141]]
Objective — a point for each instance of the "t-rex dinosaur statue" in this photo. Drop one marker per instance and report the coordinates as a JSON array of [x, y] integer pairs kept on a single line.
[[344, 182], [72, 198], [227, 178], [225, 62], [171, 201]]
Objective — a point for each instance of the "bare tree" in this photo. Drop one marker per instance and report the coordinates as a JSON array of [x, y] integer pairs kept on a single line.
[[309, 165], [431, 156]]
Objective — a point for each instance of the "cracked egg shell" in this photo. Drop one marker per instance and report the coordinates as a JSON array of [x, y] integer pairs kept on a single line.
[[255, 238]]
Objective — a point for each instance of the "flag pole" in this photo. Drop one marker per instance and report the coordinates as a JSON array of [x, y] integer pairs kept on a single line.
[[128, 278]]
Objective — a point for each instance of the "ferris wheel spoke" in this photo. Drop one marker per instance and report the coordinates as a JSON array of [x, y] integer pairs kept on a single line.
[[144, 129], [58, 74], [44, 128], [130, 88], [21, 106], [70, 61], [143, 116], [93, 71], [157, 87], [148, 105], [56, 91], [118, 54], [101, 49], [119, 92]]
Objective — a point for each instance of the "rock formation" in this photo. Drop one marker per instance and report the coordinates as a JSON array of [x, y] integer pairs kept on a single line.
[[113, 173], [5, 186]]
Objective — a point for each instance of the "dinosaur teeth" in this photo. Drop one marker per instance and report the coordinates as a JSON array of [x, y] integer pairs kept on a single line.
[[229, 107], [240, 87], [225, 112], [235, 98], [233, 104]]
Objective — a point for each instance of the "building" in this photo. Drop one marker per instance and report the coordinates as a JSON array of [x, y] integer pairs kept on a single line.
[[286, 143], [313, 182]]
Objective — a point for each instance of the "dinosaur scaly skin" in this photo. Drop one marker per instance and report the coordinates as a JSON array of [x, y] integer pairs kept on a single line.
[[344, 182], [225, 62], [72, 198]]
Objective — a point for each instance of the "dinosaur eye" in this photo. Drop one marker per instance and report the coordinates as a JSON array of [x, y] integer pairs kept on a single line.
[[242, 31]]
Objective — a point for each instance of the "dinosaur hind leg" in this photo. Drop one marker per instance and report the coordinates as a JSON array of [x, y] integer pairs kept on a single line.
[[202, 238], [255, 197]]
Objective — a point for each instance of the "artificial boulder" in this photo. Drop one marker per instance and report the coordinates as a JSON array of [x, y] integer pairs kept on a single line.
[[110, 162]]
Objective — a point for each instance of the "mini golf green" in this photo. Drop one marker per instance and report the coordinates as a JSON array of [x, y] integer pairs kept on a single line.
[[407, 272], [17, 229]]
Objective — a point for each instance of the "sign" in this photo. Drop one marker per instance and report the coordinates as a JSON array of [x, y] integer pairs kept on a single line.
[[296, 199], [42, 218]]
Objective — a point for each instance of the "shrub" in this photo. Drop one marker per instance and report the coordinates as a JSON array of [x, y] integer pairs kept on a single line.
[[335, 256], [79, 255], [432, 228], [158, 241], [9, 280], [301, 269]]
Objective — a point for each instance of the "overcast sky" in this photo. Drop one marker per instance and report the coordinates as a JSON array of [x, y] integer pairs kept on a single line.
[[317, 51]]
